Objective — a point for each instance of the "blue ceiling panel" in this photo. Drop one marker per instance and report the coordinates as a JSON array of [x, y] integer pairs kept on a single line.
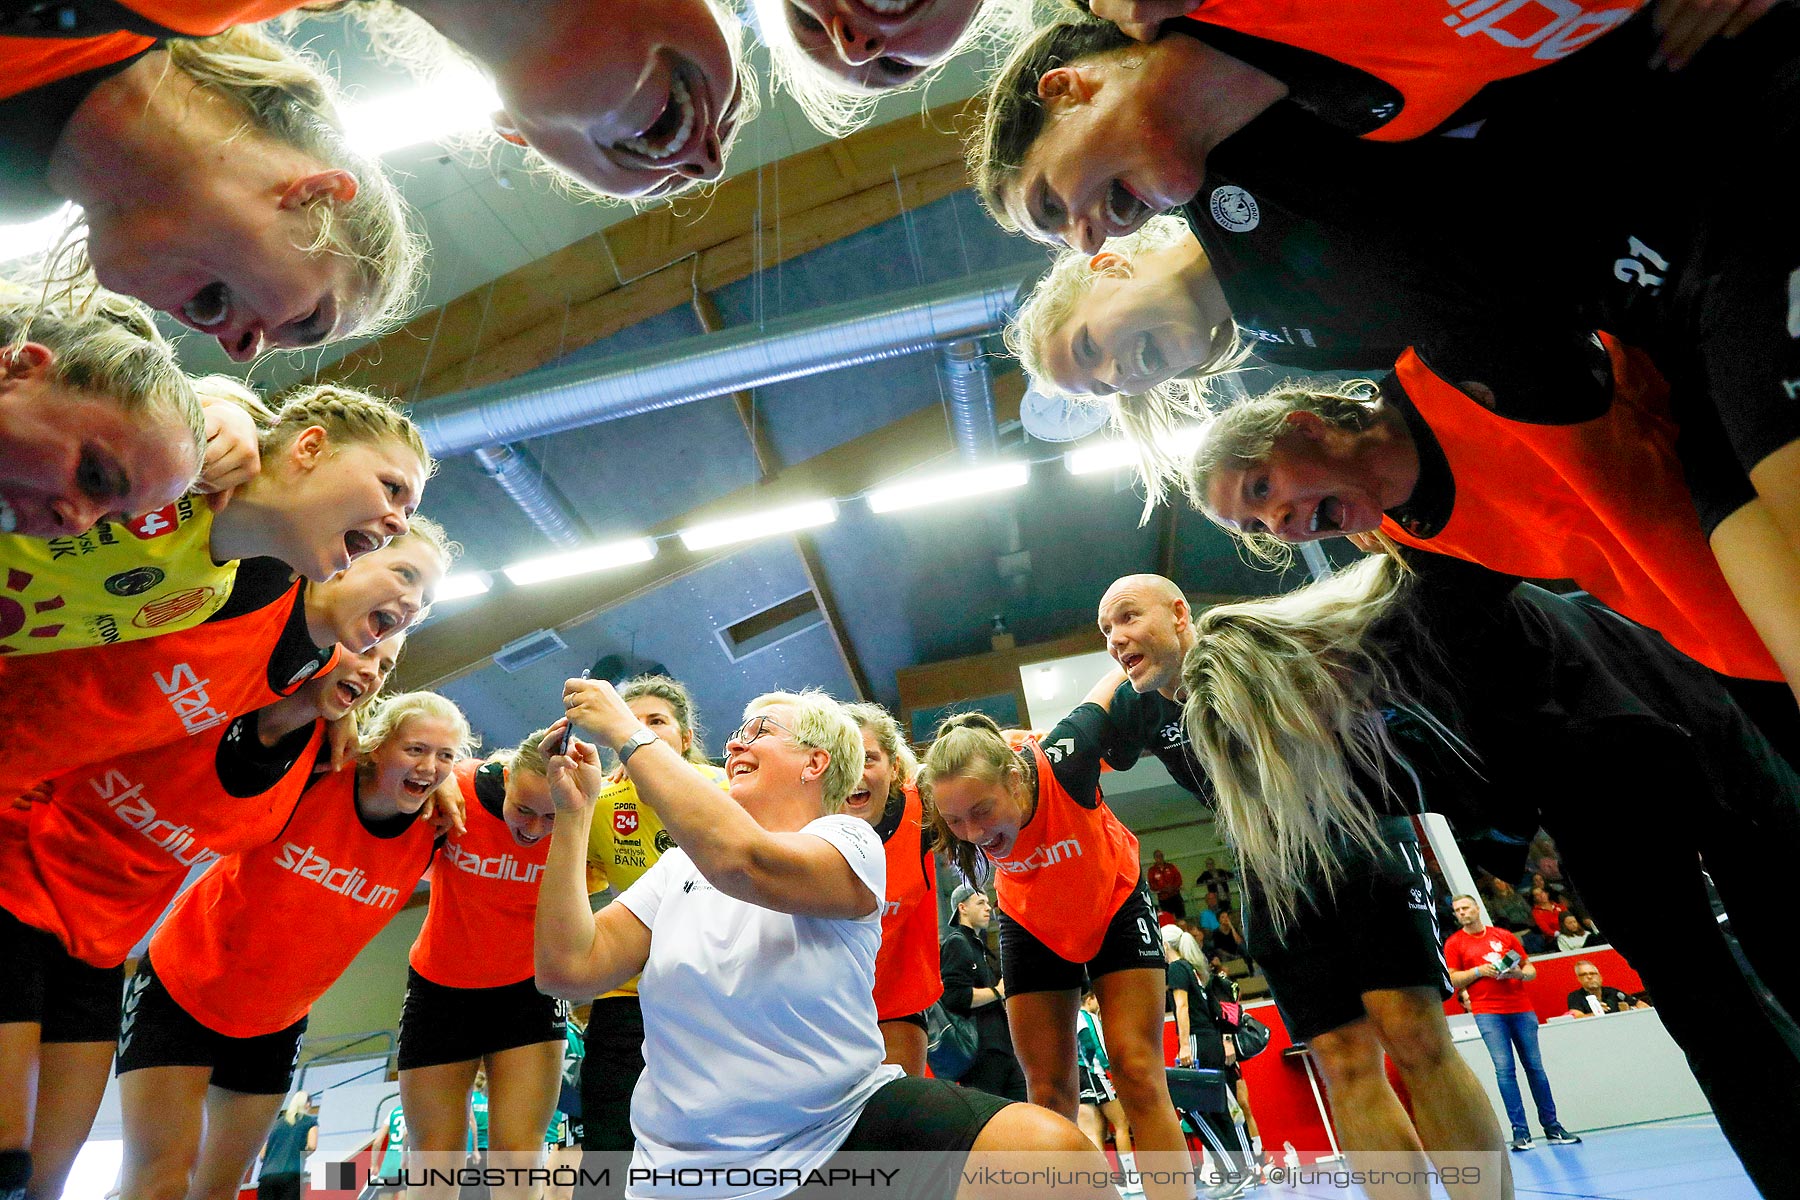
[[675, 625]]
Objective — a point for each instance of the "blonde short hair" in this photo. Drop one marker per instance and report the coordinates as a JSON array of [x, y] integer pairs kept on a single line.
[[528, 755], [820, 723], [836, 107], [386, 717]]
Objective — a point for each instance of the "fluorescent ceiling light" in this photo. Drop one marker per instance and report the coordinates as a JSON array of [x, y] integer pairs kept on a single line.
[[957, 485], [584, 561], [1112, 453], [1103, 455], [461, 586], [455, 102], [761, 524]]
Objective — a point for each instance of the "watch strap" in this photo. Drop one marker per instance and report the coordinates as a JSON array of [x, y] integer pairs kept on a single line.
[[643, 737]]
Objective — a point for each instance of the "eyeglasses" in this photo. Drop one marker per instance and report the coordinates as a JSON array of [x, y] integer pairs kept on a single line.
[[755, 727]]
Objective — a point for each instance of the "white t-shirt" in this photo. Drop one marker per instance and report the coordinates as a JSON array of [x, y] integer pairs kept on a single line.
[[761, 1044]]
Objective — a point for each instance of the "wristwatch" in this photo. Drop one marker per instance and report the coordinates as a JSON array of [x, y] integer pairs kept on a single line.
[[643, 737]]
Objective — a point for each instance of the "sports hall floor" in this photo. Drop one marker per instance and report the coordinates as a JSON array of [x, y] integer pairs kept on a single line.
[[1665, 1160]]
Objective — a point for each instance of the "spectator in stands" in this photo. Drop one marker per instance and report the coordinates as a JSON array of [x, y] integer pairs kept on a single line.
[[1165, 881], [973, 988], [1228, 940], [1546, 914], [1577, 934], [1215, 879], [1209, 918], [1491, 963], [1506, 906], [1556, 891], [1593, 998]]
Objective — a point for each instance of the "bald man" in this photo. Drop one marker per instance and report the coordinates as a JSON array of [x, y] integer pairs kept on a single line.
[[1358, 975], [1149, 630]]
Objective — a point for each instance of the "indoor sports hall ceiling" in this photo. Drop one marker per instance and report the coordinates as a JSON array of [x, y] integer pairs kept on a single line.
[[899, 589]]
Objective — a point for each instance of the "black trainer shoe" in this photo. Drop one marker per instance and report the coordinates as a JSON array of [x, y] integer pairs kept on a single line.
[[1521, 1142], [1556, 1135]]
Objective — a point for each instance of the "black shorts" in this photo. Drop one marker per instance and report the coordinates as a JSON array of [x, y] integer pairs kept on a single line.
[[1377, 931], [46, 986], [1096, 1088], [917, 1018], [939, 1121], [1132, 942], [610, 1065], [441, 1024], [157, 1032]]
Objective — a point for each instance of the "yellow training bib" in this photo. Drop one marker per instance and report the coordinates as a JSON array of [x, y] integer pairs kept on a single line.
[[118, 582]]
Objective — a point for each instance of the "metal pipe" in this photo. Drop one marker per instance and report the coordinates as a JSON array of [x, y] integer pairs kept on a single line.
[[970, 386], [559, 399], [520, 477]]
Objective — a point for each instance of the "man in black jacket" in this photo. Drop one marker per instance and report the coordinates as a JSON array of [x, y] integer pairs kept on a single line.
[[974, 989]]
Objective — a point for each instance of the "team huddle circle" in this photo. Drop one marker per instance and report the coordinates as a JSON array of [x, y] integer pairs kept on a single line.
[[712, 787]]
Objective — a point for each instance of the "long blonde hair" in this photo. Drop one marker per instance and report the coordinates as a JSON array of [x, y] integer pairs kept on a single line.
[[1154, 422], [290, 96], [969, 745], [400, 37], [1243, 436], [837, 108], [349, 416], [1284, 700], [879, 721], [390, 713], [108, 346]]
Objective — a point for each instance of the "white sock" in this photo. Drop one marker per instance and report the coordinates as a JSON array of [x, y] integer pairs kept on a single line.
[[1127, 1162], [1256, 1144]]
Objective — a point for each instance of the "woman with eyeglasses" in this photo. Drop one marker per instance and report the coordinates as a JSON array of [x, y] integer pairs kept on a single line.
[[756, 940]]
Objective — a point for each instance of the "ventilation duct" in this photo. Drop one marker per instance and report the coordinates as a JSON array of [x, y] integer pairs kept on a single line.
[[970, 387], [559, 399], [520, 477]]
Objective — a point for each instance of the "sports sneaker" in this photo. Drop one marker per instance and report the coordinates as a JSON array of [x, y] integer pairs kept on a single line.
[[1230, 1189], [1520, 1142], [1556, 1135]]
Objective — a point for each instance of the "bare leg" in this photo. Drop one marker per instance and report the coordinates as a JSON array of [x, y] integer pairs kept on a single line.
[[71, 1082], [1455, 1123], [1091, 1123], [1763, 571], [1131, 1014], [18, 1083], [436, 1102], [1371, 1124], [1043, 1036], [522, 1086], [1121, 1128], [906, 1046], [165, 1118], [237, 1125]]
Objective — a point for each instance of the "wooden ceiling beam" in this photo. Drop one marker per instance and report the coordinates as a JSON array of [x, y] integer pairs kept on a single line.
[[653, 262], [462, 641]]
